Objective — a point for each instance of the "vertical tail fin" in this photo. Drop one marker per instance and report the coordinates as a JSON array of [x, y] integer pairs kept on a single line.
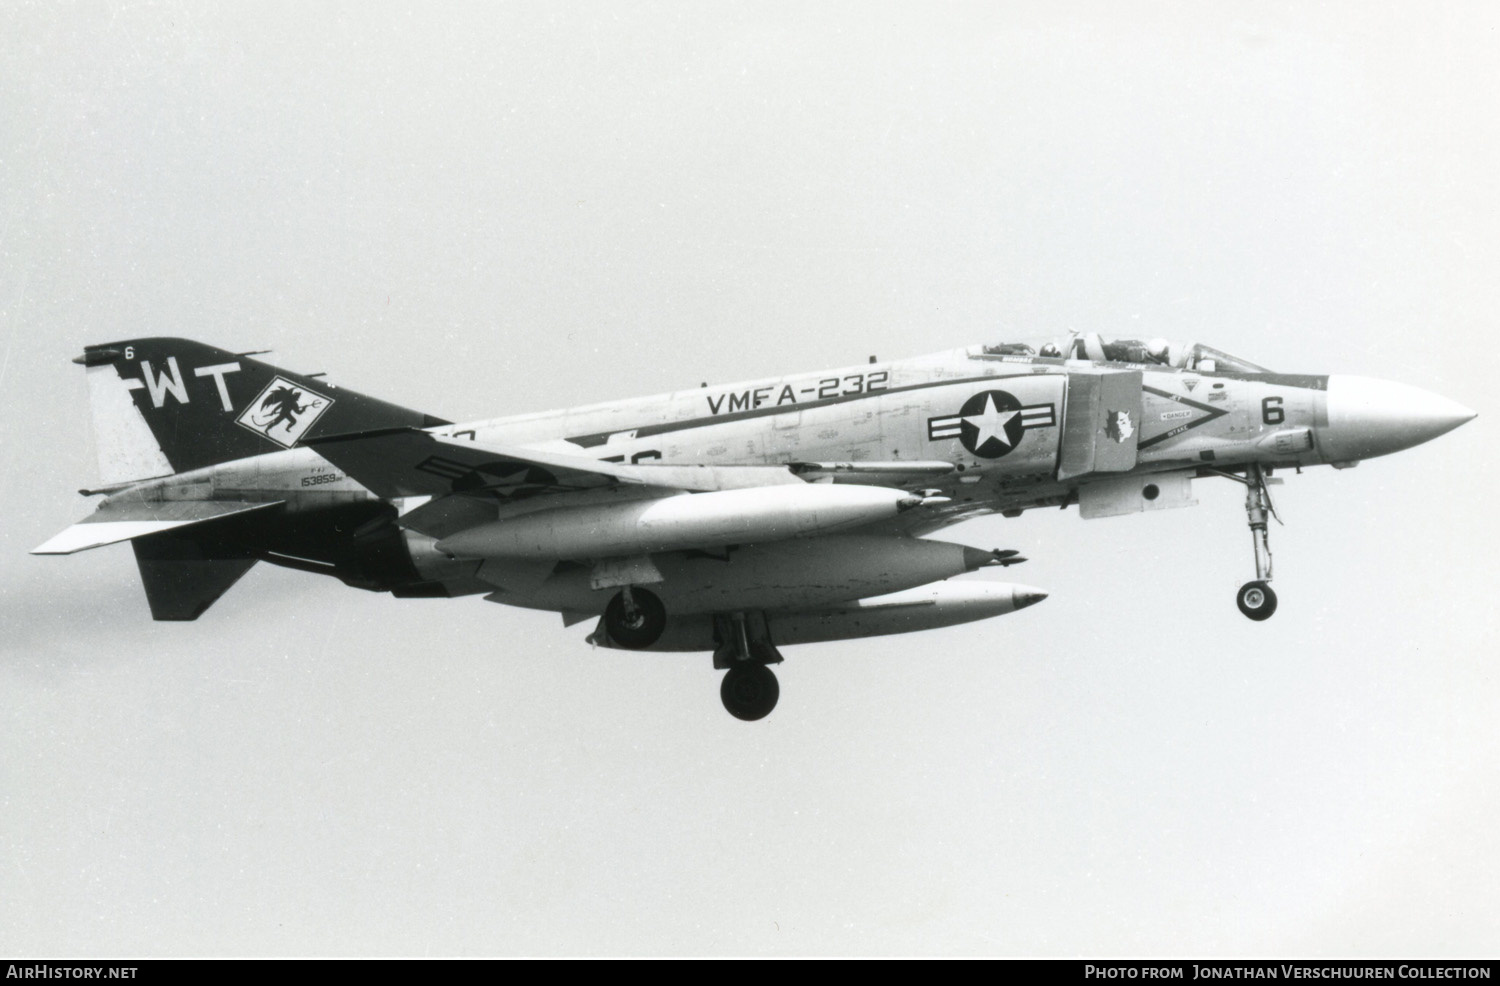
[[164, 406]]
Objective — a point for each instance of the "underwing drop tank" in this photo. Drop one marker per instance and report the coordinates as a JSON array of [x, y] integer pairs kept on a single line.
[[680, 523]]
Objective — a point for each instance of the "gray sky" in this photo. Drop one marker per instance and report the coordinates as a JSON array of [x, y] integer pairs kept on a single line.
[[490, 209]]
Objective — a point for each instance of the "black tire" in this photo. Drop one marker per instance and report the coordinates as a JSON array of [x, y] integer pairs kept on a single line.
[[1256, 600], [642, 629], [749, 691]]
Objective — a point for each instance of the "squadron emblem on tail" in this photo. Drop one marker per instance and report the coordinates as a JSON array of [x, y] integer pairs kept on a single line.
[[284, 411]]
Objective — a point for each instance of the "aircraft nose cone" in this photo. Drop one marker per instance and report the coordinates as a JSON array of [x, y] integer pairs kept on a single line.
[[1026, 595], [1369, 417]]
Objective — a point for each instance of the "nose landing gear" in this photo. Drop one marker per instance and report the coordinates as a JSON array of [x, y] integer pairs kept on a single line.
[[1257, 599]]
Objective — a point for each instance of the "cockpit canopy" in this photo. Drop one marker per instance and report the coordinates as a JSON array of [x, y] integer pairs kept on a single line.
[[1150, 352]]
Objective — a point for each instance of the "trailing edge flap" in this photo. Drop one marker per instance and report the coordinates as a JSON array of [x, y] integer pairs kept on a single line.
[[409, 462], [114, 522]]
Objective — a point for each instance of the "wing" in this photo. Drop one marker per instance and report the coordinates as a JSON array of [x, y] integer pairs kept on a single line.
[[408, 462], [467, 479]]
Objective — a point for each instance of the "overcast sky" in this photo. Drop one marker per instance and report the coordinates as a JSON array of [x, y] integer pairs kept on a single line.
[[487, 209]]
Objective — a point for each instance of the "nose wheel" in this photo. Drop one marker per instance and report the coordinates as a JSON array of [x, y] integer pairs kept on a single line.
[[1256, 600]]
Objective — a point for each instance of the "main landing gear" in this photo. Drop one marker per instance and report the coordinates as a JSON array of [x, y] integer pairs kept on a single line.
[[750, 689], [635, 618], [1257, 599]]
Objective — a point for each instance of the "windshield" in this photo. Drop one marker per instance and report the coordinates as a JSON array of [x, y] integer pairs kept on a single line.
[[1150, 352], [1211, 360]]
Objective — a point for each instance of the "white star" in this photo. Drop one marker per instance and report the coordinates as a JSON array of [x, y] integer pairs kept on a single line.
[[991, 423]]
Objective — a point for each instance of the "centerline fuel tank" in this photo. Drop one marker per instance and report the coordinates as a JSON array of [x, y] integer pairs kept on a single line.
[[790, 574]]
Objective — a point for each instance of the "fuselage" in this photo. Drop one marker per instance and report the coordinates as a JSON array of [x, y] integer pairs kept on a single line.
[[1039, 446]]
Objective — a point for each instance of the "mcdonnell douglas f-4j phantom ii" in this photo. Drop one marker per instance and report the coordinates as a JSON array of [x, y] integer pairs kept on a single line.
[[726, 519]]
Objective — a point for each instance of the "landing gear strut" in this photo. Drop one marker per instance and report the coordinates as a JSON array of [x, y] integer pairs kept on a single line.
[[635, 618], [750, 689], [1257, 599]]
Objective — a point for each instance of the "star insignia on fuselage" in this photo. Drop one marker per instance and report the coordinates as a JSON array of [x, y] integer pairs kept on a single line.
[[990, 423]]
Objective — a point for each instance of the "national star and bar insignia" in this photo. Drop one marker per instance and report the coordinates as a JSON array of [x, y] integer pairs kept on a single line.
[[990, 423]]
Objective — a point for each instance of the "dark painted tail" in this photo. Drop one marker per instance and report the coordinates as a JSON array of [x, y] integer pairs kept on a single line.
[[165, 406]]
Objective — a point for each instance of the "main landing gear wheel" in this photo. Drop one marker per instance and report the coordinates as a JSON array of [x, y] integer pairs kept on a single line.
[[749, 691], [1256, 600], [635, 618]]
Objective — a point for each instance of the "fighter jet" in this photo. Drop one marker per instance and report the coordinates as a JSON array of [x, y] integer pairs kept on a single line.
[[731, 519]]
